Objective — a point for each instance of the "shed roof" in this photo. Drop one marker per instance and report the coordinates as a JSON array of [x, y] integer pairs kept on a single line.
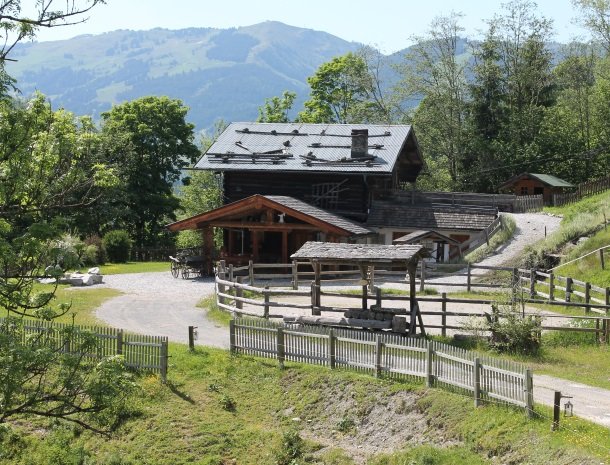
[[308, 147], [328, 252], [289, 205], [415, 236], [392, 214], [548, 179]]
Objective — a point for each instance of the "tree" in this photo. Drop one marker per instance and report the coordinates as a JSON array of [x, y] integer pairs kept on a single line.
[[149, 142], [595, 16], [434, 72], [275, 109], [342, 91]]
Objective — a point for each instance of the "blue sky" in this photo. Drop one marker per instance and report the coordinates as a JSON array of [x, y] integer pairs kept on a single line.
[[387, 24]]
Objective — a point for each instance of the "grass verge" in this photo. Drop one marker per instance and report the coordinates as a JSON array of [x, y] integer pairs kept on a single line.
[[134, 267], [507, 231], [213, 312]]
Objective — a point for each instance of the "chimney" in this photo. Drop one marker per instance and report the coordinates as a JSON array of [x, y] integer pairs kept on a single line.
[[360, 143]]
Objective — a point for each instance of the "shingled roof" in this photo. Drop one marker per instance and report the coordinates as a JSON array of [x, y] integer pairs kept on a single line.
[[309, 147], [328, 252], [391, 214]]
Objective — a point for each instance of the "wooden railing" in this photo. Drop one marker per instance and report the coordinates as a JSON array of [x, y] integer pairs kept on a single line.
[[528, 203], [584, 189], [381, 353], [140, 351]]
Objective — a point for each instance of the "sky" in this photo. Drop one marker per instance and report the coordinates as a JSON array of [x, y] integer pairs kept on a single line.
[[385, 24]]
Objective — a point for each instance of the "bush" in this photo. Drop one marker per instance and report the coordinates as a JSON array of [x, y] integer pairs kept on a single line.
[[292, 449], [117, 244], [511, 332], [100, 254]]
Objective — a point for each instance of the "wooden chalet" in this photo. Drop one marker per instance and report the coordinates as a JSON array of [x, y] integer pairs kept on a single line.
[[536, 184], [438, 244]]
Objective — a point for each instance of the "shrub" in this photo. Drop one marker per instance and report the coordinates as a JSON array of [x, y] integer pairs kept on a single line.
[[96, 240], [117, 244], [90, 254], [291, 450], [68, 251], [511, 332]]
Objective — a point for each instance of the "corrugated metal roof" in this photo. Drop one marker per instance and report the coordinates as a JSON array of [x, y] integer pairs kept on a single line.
[[364, 253], [551, 180], [246, 146], [323, 215]]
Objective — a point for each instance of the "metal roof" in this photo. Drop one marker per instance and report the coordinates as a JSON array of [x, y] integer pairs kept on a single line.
[[332, 252], [304, 147], [547, 179]]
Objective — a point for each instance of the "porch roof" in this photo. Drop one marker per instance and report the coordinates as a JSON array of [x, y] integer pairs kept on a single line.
[[415, 236]]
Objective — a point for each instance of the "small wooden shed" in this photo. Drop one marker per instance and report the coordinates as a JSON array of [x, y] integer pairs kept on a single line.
[[536, 184], [438, 244], [366, 257]]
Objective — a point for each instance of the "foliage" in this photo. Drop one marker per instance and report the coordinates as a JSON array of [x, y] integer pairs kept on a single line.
[[117, 244], [149, 142], [291, 450], [513, 333], [275, 109]]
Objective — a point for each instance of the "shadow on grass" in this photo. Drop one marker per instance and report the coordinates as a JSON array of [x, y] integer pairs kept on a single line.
[[172, 387]]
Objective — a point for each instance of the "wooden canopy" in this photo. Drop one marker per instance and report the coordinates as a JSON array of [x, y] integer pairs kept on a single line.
[[417, 236]]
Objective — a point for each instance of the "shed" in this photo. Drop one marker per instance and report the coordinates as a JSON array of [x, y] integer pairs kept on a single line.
[[536, 184], [438, 244], [366, 256]]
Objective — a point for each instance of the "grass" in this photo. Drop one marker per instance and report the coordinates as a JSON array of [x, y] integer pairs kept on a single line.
[[507, 231], [134, 267], [215, 313], [223, 409]]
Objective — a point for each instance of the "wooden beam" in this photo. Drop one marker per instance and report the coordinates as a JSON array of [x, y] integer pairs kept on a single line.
[[284, 246], [254, 234], [263, 226]]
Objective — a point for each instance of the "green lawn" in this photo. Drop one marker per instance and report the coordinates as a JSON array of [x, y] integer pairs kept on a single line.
[[134, 267], [222, 409]]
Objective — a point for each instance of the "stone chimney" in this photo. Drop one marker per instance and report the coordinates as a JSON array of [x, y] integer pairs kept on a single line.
[[360, 143]]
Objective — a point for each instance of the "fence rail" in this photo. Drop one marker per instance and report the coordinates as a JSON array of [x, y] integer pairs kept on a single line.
[[139, 351], [378, 353], [528, 203], [584, 189]]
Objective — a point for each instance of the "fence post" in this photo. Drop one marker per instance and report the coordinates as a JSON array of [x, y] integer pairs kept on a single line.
[[587, 296], [429, 376], [119, 342], [552, 287], [532, 283], [164, 357], [221, 287], [601, 259], [331, 349], [251, 272], [231, 272], [295, 275], [529, 393], [191, 338], [266, 307], [281, 352], [422, 276], [378, 297], [477, 382], [568, 289], [232, 347], [607, 298], [468, 277], [378, 354], [444, 314], [239, 292], [514, 282]]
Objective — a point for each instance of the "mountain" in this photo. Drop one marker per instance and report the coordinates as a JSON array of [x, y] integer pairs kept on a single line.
[[218, 73]]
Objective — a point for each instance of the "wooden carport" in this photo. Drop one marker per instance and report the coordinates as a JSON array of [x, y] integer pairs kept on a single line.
[[366, 257]]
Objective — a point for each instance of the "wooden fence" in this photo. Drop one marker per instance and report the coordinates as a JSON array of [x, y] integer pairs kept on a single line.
[[381, 353], [584, 189], [140, 351], [528, 203]]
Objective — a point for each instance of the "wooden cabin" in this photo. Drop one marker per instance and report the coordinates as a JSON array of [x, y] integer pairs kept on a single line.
[[441, 247], [536, 184]]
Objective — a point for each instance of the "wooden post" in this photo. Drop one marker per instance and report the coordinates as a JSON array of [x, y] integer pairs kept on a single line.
[[532, 283], [514, 282], [378, 297], [331, 349], [284, 246], [191, 338], [119, 342], [239, 292], [607, 298], [444, 314], [587, 296], [232, 347], [378, 354], [477, 381], [231, 272], [281, 350], [266, 307], [468, 277], [556, 410], [295, 275], [412, 300], [254, 234], [552, 287], [598, 332], [429, 374], [568, 289], [251, 272], [601, 259], [422, 277], [529, 393], [221, 287], [371, 277], [164, 357]]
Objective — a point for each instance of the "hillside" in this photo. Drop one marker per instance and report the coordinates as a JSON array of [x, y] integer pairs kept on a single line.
[[218, 73]]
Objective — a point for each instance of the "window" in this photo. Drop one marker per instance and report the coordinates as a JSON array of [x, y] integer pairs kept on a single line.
[[524, 190]]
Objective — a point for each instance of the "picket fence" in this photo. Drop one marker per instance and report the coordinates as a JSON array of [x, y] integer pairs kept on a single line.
[[487, 379], [584, 189], [141, 352]]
